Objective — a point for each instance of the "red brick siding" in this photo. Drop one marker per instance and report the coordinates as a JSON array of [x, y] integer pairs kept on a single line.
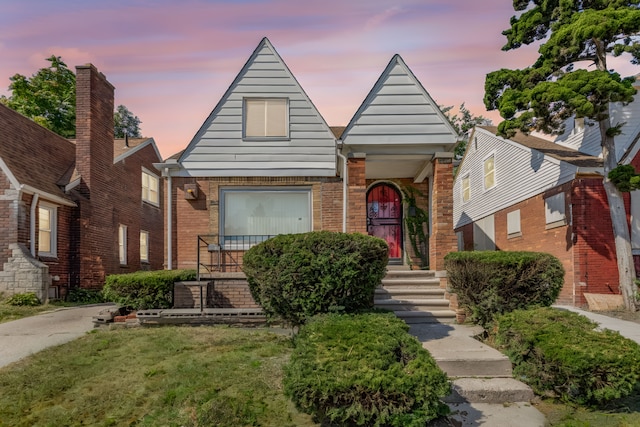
[[357, 196], [192, 218], [442, 239]]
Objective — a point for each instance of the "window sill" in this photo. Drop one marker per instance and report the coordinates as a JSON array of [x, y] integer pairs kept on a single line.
[[514, 235], [149, 202], [266, 138], [555, 224]]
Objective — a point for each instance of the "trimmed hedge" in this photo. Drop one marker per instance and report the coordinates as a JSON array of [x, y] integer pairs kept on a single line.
[[489, 283], [296, 276], [144, 289], [364, 370], [560, 353]]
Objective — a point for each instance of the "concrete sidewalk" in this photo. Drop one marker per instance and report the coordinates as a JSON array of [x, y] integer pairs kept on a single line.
[[23, 337]]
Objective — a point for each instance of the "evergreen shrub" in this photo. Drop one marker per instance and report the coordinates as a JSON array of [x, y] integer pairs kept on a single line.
[[295, 276], [560, 353], [144, 289], [364, 369], [489, 283]]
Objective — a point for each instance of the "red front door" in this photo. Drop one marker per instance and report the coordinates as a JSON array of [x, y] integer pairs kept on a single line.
[[384, 218]]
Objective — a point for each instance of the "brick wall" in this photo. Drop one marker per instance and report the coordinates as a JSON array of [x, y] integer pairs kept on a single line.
[[192, 218], [584, 244], [442, 239], [357, 197]]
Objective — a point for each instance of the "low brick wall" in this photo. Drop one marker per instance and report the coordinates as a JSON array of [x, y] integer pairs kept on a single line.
[[222, 291]]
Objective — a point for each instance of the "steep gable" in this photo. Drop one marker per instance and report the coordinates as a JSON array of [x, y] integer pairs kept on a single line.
[[399, 111], [35, 157], [524, 166], [224, 146]]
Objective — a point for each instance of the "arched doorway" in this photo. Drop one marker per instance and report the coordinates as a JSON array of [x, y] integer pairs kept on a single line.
[[384, 218]]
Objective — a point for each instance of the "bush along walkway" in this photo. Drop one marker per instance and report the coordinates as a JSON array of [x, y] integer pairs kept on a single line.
[[484, 391]]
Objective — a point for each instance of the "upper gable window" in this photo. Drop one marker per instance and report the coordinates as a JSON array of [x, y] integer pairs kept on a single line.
[[266, 118], [466, 188], [150, 184], [489, 172]]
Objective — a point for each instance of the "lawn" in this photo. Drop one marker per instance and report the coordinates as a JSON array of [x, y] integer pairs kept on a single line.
[[170, 376], [13, 312]]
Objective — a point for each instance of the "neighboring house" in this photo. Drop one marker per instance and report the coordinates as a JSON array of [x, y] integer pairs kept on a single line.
[[75, 211], [530, 193], [265, 162]]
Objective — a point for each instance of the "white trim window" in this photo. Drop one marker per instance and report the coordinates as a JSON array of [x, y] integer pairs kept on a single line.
[[47, 230], [265, 118], [122, 244], [144, 246], [489, 168], [555, 210], [513, 224], [466, 188], [150, 187], [253, 214]]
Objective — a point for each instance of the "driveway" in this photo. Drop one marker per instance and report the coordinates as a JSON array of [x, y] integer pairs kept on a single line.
[[23, 337]]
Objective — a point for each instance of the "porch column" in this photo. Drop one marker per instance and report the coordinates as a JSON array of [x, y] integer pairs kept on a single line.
[[442, 239], [357, 200]]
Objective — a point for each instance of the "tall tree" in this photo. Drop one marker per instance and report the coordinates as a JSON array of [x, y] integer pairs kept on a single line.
[[48, 97], [541, 97], [463, 122], [126, 123]]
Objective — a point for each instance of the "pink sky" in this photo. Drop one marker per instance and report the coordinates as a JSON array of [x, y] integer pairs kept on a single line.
[[171, 61]]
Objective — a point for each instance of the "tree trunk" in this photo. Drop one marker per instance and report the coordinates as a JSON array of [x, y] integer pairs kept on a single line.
[[624, 256]]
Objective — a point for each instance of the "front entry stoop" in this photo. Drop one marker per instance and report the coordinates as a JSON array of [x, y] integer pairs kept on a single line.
[[480, 373], [414, 296]]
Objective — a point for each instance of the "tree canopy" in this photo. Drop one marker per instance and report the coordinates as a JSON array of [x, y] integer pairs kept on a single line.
[[126, 123], [463, 122], [49, 98], [571, 78], [575, 33]]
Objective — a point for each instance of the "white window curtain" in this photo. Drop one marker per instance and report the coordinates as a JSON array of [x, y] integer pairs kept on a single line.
[[266, 117], [266, 213]]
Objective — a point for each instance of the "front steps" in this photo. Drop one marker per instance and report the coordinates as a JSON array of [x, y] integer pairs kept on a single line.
[[415, 296]]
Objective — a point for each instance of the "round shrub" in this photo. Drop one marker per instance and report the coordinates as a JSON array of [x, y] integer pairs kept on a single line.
[[144, 289], [561, 353], [490, 283], [295, 276], [364, 369]]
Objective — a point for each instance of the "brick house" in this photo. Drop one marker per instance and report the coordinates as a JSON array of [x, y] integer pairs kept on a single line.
[[75, 211], [533, 194], [265, 162]]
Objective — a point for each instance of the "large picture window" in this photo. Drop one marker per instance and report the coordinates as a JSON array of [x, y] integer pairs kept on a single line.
[[260, 213], [47, 230], [266, 118]]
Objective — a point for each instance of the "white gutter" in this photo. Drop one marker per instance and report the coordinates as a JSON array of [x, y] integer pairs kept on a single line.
[[32, 225], [345, 177], [169, 221]]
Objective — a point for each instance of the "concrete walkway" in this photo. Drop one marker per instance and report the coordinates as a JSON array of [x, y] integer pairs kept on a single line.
[[23, 337]]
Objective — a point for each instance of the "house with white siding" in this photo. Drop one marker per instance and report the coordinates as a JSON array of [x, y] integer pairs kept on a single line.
[[537, 194], [265, 162]]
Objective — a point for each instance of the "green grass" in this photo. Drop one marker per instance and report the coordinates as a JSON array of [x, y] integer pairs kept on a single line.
[[11, 312], [625, 413], [170, 376]]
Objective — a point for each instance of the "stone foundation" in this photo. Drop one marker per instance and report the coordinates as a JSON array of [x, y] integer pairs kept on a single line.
[[22, 273]]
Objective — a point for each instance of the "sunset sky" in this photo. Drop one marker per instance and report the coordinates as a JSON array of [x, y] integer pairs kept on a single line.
[[171, 61]]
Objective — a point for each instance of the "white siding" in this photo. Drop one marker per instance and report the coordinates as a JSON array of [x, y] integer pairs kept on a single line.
[[520, 173], [218, 148], [398, 110], [587, 139]]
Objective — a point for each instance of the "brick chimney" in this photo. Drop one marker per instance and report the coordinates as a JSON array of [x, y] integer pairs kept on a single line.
[[94, 125]]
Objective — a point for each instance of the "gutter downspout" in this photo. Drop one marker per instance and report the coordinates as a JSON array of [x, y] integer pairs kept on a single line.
[[345, 177], [169, 221], [32, 223]]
